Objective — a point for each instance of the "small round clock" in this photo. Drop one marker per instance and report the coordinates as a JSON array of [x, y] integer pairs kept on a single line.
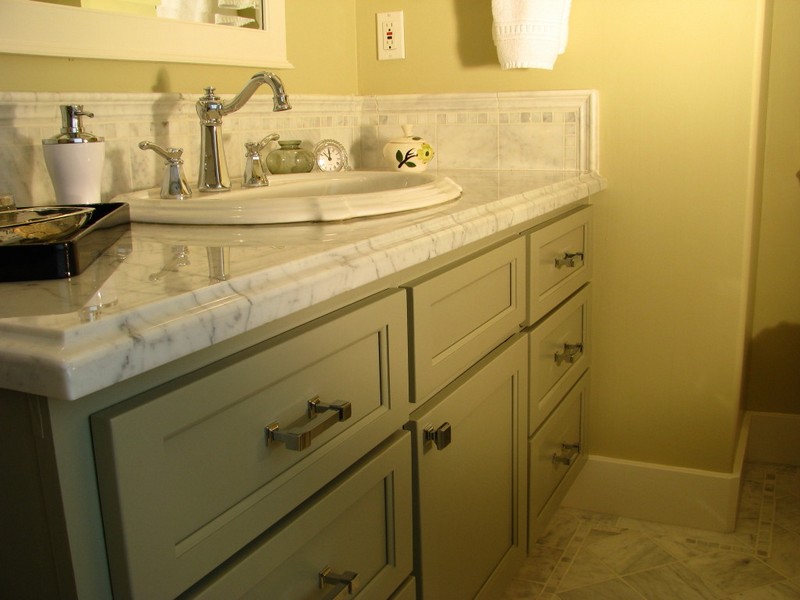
[[330, 156]]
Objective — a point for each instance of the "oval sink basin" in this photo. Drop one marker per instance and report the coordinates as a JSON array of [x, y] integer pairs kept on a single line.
[[298, 198]]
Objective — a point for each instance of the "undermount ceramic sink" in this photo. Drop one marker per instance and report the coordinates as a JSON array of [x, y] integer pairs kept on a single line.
[[298, 198]]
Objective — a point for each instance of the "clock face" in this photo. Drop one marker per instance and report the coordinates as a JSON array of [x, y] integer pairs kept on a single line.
[[330, 156]]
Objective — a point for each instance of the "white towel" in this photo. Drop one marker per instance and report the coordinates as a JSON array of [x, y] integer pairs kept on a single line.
[[530, 34]]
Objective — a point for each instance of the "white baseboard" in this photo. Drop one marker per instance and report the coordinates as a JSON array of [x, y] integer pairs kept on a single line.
[[774, 438], [651, 492]]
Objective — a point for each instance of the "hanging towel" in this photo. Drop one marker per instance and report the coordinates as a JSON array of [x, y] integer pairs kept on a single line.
[[530, 34]]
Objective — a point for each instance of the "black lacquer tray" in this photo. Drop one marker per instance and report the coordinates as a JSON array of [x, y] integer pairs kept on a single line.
[[69, 256]]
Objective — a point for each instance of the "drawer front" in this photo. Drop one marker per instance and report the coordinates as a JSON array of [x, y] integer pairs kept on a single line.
[[556, 454], [461, 313], [559, 355], [471, 493], [560, 262], [185, 472], [360, 528]]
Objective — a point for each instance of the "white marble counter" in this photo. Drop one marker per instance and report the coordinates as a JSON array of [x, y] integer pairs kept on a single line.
[[159, 293]]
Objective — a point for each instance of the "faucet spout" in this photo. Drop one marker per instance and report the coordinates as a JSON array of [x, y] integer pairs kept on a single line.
[[280, 101], [210, 108]]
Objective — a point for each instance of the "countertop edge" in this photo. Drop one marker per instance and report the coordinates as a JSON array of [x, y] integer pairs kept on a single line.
[[146, 338]]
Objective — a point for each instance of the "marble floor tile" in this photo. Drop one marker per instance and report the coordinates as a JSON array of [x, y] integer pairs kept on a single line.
[[613, 589], [671, 581], [732, 572], [542, 561], [784, 590], [591, 556], [787, 512], [585, 569], [784, 555], [560, 530], [522, 590], [628, 551]]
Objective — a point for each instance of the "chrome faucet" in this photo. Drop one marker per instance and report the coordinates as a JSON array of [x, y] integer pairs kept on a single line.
[[210, 108], [173, 182]]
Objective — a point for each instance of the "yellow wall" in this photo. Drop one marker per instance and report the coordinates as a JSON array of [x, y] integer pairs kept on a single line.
[[678, 83], [321, 47], [774, 378], [678, 86]]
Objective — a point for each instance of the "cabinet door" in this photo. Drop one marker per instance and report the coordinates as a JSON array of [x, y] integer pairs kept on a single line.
[[470, 459], [185, 472], [464, 311], [359, 528]]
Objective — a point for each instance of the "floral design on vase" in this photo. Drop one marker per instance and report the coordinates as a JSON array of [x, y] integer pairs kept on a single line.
[[410, 152]]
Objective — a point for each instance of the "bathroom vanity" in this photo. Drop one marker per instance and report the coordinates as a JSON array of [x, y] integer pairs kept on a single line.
[[384, 408]]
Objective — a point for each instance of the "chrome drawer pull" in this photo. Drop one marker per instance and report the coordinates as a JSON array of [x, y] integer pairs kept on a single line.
[[569, 453], [570, 354], [315, 407], [300, 440], [441, 437], [570, 259], [345, 584]]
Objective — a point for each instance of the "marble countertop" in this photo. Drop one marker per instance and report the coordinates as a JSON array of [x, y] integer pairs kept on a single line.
[[165, 291]]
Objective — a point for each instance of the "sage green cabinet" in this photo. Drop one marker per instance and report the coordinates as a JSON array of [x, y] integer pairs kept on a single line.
[[192, 471], [245, 472], [557, 454], [470, 444], [559, 301], [559, 261], [355, 536], [460, 312]]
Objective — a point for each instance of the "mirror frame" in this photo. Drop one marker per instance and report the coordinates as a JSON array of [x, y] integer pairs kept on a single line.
[[38, 28]]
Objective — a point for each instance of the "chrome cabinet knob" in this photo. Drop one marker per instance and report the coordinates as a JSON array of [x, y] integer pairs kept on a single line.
[[344, 584], [569, 452], [441, 437], [570, 354], [570, 260]]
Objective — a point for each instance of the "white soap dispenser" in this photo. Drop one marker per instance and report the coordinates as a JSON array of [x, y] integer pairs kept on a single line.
[[74, 159]]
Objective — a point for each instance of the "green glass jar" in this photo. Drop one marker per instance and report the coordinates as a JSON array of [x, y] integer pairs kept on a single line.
[[290, 158]]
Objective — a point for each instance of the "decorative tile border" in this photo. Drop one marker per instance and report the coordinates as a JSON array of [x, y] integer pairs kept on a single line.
[[766, 516], [508, 131]]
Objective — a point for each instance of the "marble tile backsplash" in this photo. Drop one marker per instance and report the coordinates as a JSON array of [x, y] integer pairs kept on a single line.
[[508, 131]]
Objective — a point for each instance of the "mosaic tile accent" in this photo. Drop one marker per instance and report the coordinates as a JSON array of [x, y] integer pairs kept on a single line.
[[766, 519]]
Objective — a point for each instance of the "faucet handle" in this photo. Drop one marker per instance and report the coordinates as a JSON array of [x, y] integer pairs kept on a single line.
[[254, 175], [174, 184], [256, 147]]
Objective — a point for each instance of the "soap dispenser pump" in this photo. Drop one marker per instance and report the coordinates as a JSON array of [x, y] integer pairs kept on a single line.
[[74, 159]]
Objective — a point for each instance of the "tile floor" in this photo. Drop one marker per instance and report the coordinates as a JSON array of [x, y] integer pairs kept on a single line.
[[590, 556]]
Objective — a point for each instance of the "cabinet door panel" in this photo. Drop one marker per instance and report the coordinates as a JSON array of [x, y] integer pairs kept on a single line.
[[471, 496], [185, 473], [461, 313]]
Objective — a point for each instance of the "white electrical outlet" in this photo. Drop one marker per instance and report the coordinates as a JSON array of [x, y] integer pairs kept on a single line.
[[391, 39]]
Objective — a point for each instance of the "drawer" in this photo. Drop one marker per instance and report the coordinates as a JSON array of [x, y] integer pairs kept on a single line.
[[360, 528], [470, 463], [556, 454], [560, 262], [186, 475], [460, 313], [559, 355]]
